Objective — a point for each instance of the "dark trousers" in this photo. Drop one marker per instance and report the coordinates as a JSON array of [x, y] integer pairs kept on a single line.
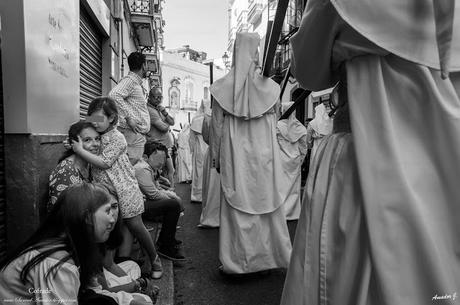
[[169, 209]]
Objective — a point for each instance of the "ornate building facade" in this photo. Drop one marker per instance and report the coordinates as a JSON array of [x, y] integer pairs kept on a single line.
[[185, 83]]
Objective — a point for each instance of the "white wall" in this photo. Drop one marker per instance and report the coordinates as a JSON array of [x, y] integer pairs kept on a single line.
[[40, 62]]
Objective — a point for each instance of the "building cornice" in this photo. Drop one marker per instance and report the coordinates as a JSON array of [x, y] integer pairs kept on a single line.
[[186, 69]]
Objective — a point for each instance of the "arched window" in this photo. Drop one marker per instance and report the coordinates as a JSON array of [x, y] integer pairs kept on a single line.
[[189, 92], [174, 99], [174, 94], [188, 101]]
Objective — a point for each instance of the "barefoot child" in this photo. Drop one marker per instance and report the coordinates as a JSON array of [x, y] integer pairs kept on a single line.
[[112, 166]]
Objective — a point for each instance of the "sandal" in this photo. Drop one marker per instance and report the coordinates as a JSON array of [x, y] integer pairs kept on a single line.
[[149, 289], [153, 294]]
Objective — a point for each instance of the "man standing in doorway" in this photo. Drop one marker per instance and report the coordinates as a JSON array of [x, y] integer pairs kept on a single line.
[[133, 116]]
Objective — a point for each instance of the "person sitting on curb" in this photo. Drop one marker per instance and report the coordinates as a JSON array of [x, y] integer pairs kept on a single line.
[[159, 202], [62, 256], [123, 282]]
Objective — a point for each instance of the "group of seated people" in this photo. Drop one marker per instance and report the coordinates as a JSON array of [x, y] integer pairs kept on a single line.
[[81, 252]]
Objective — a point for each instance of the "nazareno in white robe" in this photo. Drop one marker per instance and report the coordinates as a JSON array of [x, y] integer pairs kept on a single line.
[[320, 126], [184, 156], [198, 149], [380, 222], [253, 234], [210, 205], [292, 140]]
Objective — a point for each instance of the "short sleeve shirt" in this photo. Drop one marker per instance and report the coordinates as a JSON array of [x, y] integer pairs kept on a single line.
[[131, 101], [63, 176]]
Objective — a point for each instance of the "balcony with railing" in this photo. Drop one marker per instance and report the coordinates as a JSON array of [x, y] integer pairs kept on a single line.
[[189, 105], [143, 7], [255, 10], [141, 12]]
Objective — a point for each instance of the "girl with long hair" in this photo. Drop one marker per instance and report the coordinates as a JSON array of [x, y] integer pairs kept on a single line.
[[63, 255], [122, 282]]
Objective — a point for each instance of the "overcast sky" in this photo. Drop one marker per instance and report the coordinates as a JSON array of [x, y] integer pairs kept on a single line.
[[202, 24]]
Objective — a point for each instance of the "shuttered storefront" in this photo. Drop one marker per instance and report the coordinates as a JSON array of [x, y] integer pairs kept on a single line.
[[2, 172], [90, 61]]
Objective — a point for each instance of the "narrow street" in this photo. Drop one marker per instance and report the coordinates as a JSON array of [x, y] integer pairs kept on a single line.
[[198, 282]]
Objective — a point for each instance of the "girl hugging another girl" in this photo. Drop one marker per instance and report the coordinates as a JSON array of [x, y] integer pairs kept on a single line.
[[112, 166]]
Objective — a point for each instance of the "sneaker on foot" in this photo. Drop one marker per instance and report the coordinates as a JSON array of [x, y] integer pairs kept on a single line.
[[172, 253], [157, 269]]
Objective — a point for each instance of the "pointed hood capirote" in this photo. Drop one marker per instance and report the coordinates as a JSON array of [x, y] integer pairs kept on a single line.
[[244, 83], [291, 128], [197, 121], [321, 123]]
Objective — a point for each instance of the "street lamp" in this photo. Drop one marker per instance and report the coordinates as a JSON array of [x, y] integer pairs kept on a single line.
[[225, 60]]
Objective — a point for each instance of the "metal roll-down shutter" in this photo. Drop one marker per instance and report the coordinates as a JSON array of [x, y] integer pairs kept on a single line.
[[90, 61], [2, 173]]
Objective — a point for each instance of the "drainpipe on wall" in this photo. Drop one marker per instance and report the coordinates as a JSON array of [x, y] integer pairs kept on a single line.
[[122, 65], [119, 22]]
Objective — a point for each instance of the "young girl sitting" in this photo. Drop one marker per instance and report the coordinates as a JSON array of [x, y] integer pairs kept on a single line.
[[112, 166], [122, 282], [62, 257]]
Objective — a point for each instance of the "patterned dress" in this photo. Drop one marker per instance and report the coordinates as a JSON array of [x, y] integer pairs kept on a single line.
[[63, 176], [120, 174]]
